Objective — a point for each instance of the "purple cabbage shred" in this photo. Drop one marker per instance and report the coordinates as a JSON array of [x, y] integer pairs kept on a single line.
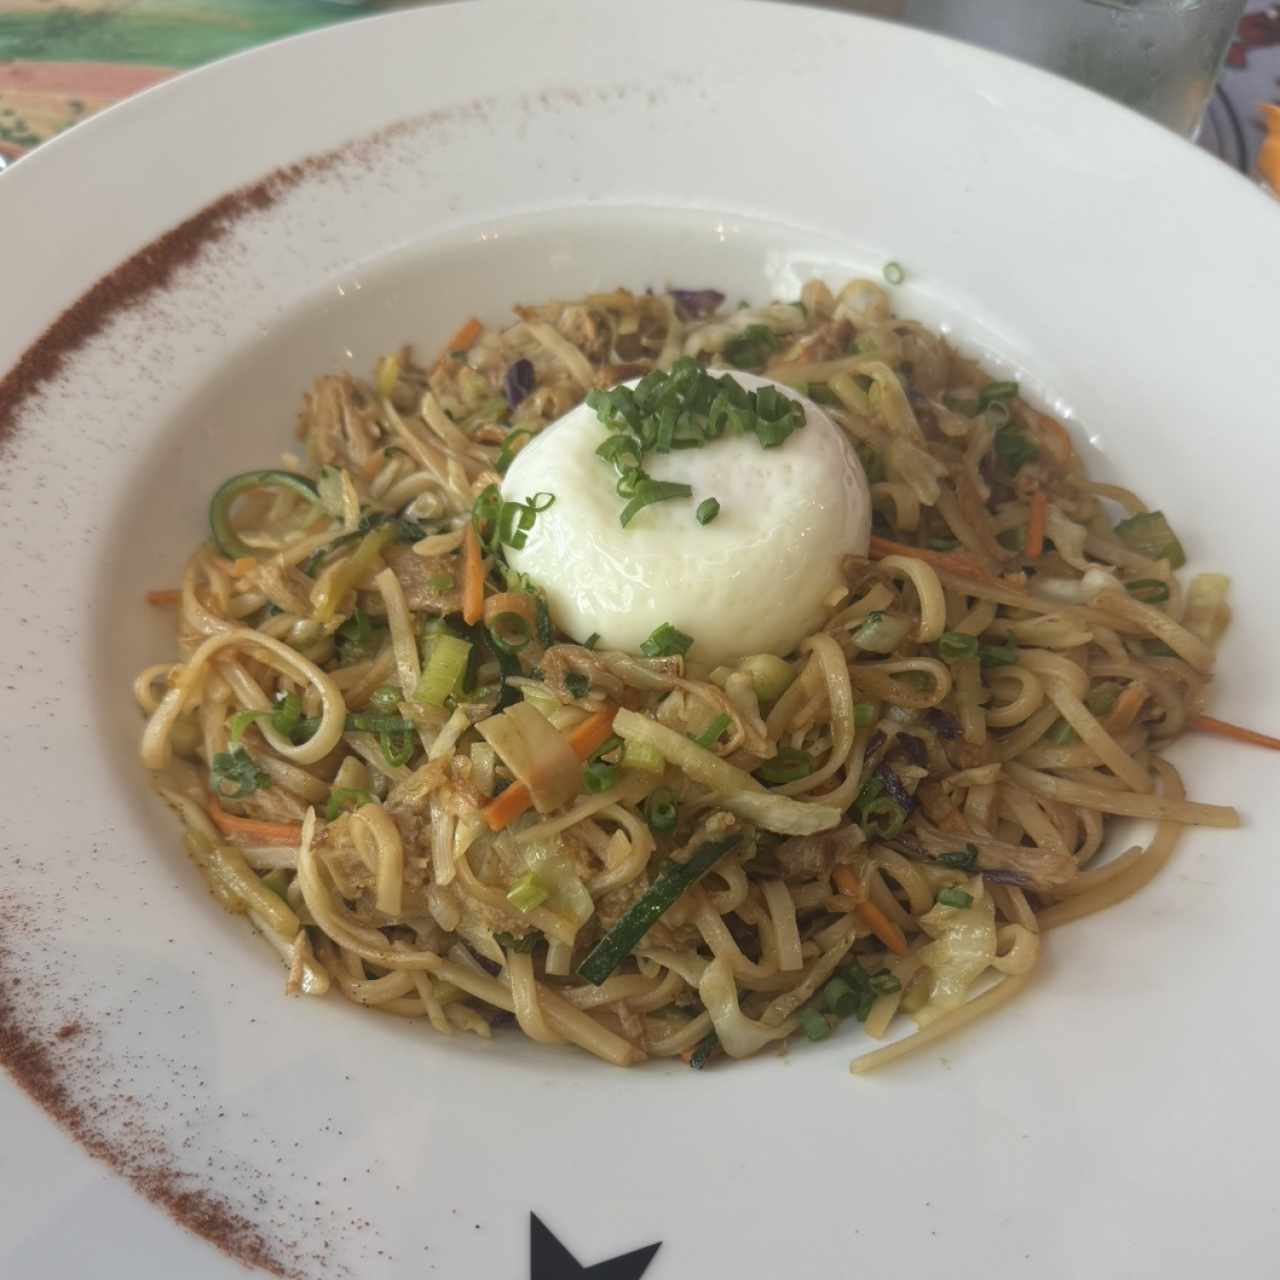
[[696, 304], [518, 382]]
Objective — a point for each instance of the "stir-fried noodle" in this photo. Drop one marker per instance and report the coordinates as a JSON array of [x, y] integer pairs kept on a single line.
[[460, 820]]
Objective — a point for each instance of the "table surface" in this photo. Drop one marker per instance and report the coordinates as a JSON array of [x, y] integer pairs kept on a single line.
[[62, 60]]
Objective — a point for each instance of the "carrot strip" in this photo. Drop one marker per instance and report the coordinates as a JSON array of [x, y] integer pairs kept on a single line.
[[472, 576], [461, 340], [584, 738], [166, 595], [1035, 525], [1126, 709], [246, 564], [1207, 724], [269, 832], [871, 915], [954, 561]]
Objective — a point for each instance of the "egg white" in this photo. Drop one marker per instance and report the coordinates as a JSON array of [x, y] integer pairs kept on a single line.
[[752, 581]]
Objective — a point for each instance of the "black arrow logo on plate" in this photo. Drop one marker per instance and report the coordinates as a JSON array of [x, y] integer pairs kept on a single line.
[[550, 1260]]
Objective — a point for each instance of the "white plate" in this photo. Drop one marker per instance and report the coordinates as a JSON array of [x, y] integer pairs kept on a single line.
[[1113, 1122]]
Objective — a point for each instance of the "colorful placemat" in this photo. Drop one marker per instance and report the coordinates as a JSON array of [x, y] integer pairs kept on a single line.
[[62, 61]]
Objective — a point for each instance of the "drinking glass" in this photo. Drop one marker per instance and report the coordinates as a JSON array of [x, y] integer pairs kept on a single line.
[[1161, 57]]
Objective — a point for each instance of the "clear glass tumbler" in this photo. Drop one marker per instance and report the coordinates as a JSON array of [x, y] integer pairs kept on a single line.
[[1161, 57]]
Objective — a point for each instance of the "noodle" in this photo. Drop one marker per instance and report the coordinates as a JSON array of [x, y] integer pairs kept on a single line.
[[881, 822]]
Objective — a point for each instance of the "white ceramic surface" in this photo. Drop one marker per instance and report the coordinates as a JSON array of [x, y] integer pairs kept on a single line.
[[1115, 1122]]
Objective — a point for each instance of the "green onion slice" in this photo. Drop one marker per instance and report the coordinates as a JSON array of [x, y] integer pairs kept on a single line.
[[955, 644], [666, 642], [789, 765], [661, 810]]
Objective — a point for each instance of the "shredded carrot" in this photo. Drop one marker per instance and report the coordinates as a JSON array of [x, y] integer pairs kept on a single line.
[[1207, 724], [871, 915], [955, 561], [1035, 525], [246, 564], [584, 738], [1127, 706], [686, 1055], [268, 832], [165, 595], [472, 576], [461, 340]]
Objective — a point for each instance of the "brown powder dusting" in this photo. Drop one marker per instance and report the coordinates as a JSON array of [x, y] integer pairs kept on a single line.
[[147, 271], [58, 1055], [152, 268], [42, 1066]]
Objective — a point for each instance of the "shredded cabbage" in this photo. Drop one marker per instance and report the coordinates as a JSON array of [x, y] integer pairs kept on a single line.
[[963, 947], [739, 1035]]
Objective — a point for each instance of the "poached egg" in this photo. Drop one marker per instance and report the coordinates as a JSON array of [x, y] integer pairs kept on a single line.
[[753, 580]]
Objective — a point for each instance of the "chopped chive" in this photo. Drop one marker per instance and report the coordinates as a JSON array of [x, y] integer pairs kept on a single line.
[[883, 818], [789, 765], [894, 273], [1013, 449], [510, 447], [813, 1024], [955, 644], [856, 978], [385, 699], [965, 859], [510, 632], [840, 998], [998, 656], [1061, 734], [237, 769], [1149, 534], [707, 511], [342, 799], [661, 810], [953, 897], [666, 642], [647, 492], [885, 983], [397, 746], [751, 348], [711, 734], [598, 776], [864, 714]]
